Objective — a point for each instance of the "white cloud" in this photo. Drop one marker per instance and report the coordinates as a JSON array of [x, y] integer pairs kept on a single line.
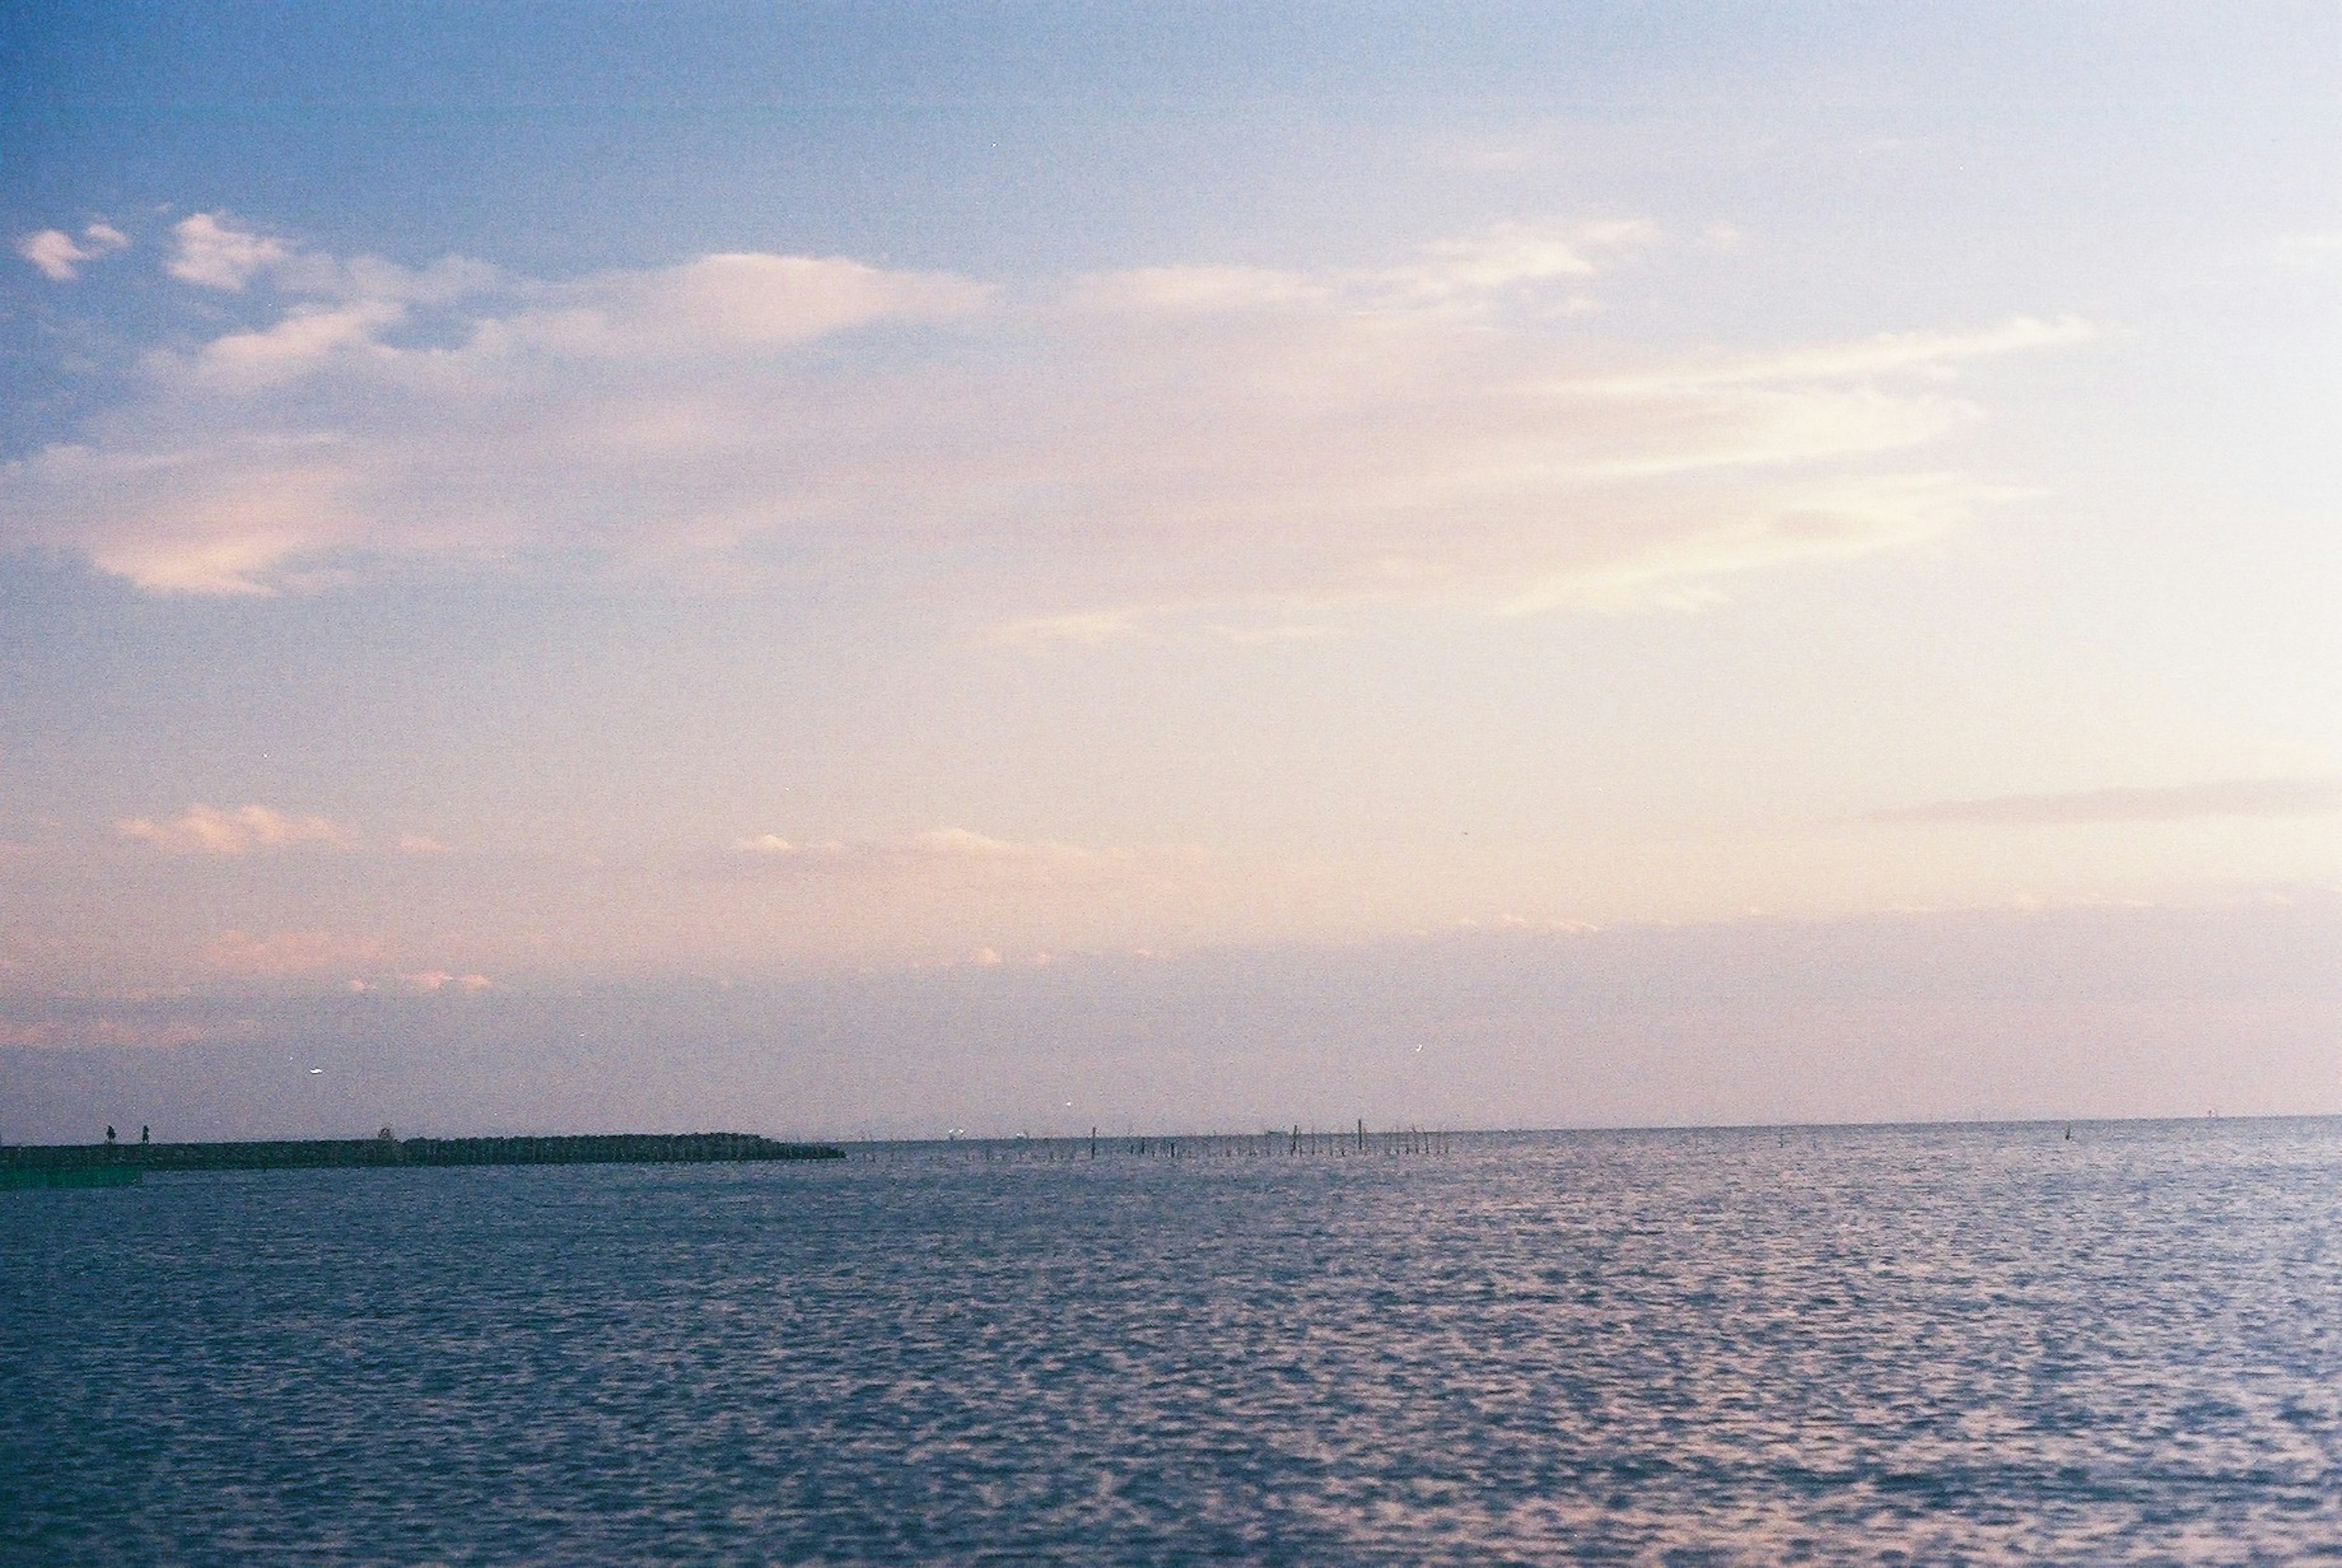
[[1934, 354], [207, 830], [215, 253], [60, 257], [1470, 270], [1512, 256], [53, 252], [212, 250], [1155, 437], [295, 344]]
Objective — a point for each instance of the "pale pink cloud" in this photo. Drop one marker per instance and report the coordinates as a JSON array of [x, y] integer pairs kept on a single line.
[[948, 851], [207, 830], [427, 981], [935, 896], [283, 952], [1158, 438]]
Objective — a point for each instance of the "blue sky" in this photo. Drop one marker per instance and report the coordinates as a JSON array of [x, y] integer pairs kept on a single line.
[[507, 502]]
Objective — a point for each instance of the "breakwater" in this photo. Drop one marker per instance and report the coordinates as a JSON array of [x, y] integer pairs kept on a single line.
[[20, 1164]]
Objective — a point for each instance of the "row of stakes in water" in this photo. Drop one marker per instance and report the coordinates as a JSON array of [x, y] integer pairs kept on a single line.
[[1294, 1143]]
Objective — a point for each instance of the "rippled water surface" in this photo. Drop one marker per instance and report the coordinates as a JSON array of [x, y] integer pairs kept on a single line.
[[1921, 1344]]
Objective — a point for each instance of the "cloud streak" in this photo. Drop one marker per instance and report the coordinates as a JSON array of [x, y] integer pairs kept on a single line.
[[103, 1032], [288, 952], [1443, 427], [949, 853], [207, 830], [2171, 802]]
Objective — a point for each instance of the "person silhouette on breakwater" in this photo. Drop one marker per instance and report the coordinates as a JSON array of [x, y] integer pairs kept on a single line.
[[109, 1132]]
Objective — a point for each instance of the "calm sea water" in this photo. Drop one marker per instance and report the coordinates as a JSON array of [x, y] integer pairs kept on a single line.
[[1916, 1344]]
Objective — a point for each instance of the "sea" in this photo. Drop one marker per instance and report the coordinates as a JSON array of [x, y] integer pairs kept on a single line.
[[2095, 1343]]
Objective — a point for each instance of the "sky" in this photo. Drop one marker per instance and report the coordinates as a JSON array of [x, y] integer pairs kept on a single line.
[[864, 571]]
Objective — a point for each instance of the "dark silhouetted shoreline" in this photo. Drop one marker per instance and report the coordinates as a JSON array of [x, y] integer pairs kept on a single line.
[[78, 1165]]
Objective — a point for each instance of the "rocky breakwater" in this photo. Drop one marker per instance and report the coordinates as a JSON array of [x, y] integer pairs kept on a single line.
[[112, 1163]]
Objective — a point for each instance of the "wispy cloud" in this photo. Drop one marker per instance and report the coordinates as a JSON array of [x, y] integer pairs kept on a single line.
[[283, 952], [2169, 803], [1511, 257], [722, 306], [1434, 427], [1829, 521], [59, 257], [1084, 628], [1886, 353], [430, 981], [949, 851], [935, 896], [207, 830], [102, 1031]]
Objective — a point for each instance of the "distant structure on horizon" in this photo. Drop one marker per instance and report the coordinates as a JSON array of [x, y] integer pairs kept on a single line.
[[112, 1163]]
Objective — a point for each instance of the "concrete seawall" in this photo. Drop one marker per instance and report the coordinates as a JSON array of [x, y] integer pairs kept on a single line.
[[284, 1154]]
